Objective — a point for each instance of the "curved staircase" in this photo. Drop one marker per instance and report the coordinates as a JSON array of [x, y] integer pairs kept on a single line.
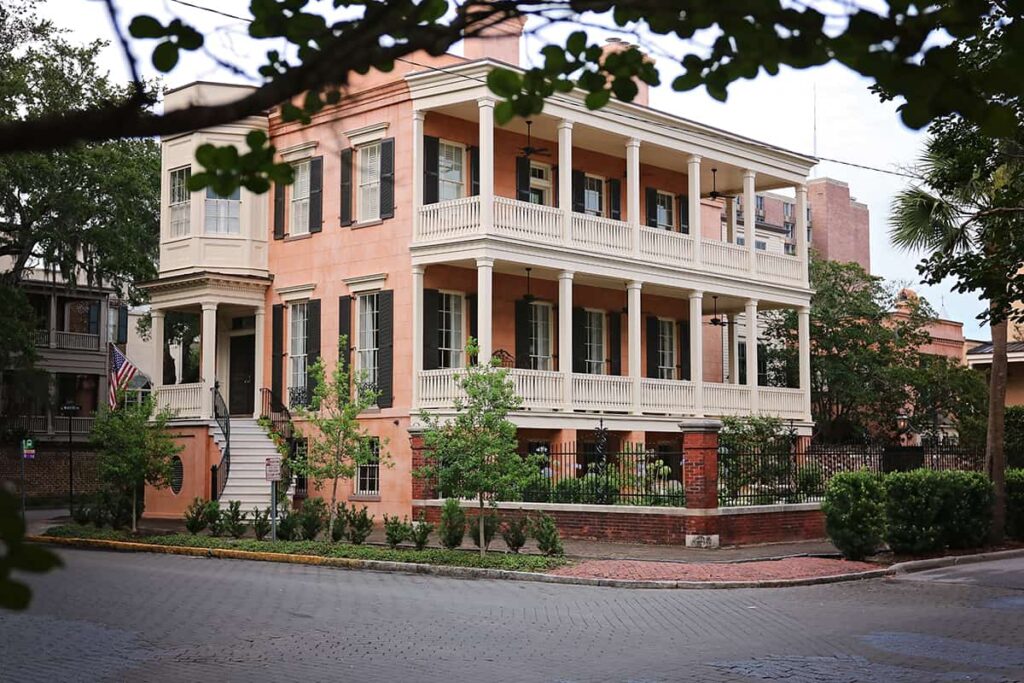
[[250, 448]]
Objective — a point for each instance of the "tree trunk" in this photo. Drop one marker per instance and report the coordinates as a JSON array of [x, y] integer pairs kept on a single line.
[[135, 494], [330, 513], [480, 525], [995, 456]]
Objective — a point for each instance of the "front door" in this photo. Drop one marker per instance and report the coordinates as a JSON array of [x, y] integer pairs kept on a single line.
[[242, 371]]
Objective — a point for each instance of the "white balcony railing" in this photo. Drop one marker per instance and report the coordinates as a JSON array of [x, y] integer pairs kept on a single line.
[[666, 396], [784, 403], [727, 399], [545, 226], [78, 341], [184, 400], [540, 389], [79, 425], [42, 337], [610, 393]]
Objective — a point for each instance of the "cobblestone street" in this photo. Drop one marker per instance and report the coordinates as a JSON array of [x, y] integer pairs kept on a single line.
[[109, 616]]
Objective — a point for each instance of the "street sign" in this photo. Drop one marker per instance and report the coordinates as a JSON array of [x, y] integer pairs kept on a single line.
[[274, 468], [28, 449]]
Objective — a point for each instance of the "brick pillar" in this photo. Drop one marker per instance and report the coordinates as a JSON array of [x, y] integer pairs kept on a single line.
[[700, 464], [421, 488]]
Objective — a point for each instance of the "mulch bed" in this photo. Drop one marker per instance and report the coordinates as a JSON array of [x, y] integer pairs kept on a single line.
[[766, 570]]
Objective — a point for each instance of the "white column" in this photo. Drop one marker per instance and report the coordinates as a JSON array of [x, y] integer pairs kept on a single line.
[[697, 349], [751, 316], [804, 342], [485, 106], [750, 218], [257, 378], [693, 199], [633, 313], [417, 332], [734, 349], [209, 344], [801, 230], [417, 169], [53, 321], [156, 334], [633, 190], [730, 220], [565, 334], [565, 177], [484, 290]]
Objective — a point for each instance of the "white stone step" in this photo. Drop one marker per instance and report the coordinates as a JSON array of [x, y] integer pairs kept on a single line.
[[250, 448]]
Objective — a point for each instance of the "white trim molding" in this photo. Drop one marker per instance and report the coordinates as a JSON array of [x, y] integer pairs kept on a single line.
[[367, 134], [365, 283], [295, 293], [303, 150]]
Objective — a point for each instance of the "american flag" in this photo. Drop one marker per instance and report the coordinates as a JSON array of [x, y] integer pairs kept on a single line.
[[121, 372]]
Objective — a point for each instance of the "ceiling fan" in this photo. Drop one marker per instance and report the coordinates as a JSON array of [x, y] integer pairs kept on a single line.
[[715, 320], [529, 150], [715, 194]]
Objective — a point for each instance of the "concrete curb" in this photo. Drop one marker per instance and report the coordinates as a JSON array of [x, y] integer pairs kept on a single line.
[[441, 570], [954, 560]]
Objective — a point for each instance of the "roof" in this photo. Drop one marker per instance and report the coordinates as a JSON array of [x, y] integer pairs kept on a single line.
[[986, 348]]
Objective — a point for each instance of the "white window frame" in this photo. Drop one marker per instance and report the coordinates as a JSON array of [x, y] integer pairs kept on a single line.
[[671, 224], [298, 334], [788, 210], [449, 189], [541, 335], [222, 213], [369, 473], [451, 351], [543, 185], [299, 219], [368, 337], [760, 245], [667, 360], [595, 364], [180, 202], [368, 204], [599, 181]]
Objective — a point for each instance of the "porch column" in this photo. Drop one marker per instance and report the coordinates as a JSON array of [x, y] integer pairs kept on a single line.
[[750, 218], [734, 349], [697, 350], [565, 334], [485, 107], [209, 335], [484, 280], [633, 314], [801, 231], [53, 321], [751, 316], [693, 200], [417, 169], [565, 177], [258, 352], [804, 341], [633, 191], [156, 333], [417, 332], [730, 220]]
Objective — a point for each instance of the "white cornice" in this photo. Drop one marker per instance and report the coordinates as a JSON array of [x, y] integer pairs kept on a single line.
[[366, 283], [367, 134], [303, 150], [295, 293]]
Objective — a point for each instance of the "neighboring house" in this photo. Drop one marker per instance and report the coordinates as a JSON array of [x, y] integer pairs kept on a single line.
[[596, 270], [979, 356]]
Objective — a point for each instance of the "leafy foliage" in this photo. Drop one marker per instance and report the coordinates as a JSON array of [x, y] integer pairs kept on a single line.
[[421, 531], [1013, 437], [287, 525], [854, 508], [396, 530], [453, 524], [260, 523], [214, 518], [18, 555], [234, 520], [312, 516], [513, 532], [339, 527], [928, 511], [545, 532], [490, 528], [1015, 503], [195, 516], [360, 525]]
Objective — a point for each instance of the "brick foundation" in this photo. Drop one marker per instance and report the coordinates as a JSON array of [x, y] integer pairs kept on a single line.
[[46, 476]]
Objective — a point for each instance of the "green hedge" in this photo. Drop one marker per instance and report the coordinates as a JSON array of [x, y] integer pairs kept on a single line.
[[1015, 504], [855, 513]]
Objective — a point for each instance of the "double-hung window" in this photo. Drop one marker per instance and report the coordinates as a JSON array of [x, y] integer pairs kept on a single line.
[[593, 195], [787, 211], [540, 336], [300, 200], [181, 204], [369, 182], [449, 329], [222, 212], [666, 349], [540, 184], [761, 245], [297, 334], [666, 211], [759, 205], [594, 342], [368, 348], [451, 175], [368, 476]]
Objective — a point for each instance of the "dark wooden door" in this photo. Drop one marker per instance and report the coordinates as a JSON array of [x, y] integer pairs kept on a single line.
[[242, 372]]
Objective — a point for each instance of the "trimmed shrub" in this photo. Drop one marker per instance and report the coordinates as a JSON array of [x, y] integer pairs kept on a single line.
[[453, 524], [287, 525], [567, 491], [260, 523], [537, 489], [312, 516], [545, 532], [83, 513], [195, 516], [339, 528], [966, 514], [396, 530], [490, 528], [854, 508], [1015, 503], [214, 518], [234, 520], [810, 480], [360, 525], [421, 532], [913, 509], [513, 532]]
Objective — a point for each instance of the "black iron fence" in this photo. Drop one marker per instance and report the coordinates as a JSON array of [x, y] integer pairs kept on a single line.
[[219, 472]]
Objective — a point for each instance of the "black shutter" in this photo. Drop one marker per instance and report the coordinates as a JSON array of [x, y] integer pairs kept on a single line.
[[474, 171], [523, 179], [523, 310], [431, 306], [579, 346], [122, 324], [344, 329], [741, 361], [316, 194], [615, 199], [385, 346], [684, 349], [387, 178], [312, 344], [615, 343], [94, 317], [278, 211], [578, 182], [554, 186], [652, 206], [431, 181], [653, 342], [276, 351], [684, 214], [346, 187]]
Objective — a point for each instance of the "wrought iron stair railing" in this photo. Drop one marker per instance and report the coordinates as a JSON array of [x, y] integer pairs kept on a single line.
[[219, 472]]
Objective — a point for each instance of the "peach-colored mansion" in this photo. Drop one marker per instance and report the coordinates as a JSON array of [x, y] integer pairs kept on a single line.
[[600, 270]]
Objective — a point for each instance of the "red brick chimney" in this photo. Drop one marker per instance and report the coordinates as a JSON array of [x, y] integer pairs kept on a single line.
[[643, 95], [499, 42]]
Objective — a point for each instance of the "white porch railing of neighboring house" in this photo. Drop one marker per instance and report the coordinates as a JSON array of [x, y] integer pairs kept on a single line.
[[35, 424], [42, 337], [184, 400], [78, 341], [79, 425]]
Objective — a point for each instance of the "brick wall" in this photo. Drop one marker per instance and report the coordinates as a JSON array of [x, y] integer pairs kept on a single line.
[[46, 476]]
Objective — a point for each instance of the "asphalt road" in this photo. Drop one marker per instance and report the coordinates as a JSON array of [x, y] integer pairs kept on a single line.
[[110, 616]]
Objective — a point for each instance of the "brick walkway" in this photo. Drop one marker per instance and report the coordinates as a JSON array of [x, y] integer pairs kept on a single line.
[[768, 570]]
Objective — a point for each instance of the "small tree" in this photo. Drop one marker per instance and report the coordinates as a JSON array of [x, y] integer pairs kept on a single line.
[[337, 443], [474, 453], [134, 448]]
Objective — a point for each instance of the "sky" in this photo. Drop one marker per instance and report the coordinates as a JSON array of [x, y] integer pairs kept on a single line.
[[852, 124]]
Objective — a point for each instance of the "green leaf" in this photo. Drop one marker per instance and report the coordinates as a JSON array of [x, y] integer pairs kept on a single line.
[[165, 56], [144, 26], [598, 99], [503, 112], [576, 43], [14, 595], [33, 558], [504, 82]]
